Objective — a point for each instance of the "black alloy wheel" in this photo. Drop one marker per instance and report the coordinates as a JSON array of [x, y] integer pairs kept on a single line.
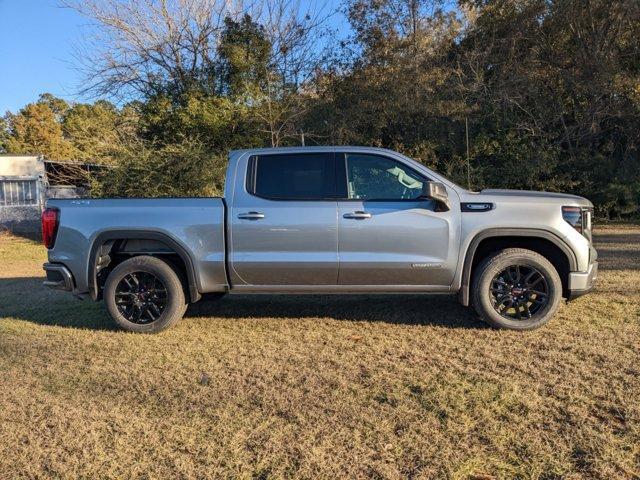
[[141, 297], [516, 288], [519, 292], [145, 294]]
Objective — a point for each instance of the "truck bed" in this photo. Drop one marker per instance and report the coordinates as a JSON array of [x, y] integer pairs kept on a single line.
[[195, 224]]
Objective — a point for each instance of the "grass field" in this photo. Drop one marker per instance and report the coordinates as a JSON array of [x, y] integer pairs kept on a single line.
[[320, 387]]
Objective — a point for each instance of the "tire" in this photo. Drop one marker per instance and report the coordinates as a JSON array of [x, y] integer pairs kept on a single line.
[[504, 302], [144, 295]]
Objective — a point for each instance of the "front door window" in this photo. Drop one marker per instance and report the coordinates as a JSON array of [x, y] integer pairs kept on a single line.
[[372, 177]]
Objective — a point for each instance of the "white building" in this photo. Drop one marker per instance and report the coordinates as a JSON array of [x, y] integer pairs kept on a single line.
[[26, 181], [22, 192]]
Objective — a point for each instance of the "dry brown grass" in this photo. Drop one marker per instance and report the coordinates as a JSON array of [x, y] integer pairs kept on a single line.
[[320, 387]]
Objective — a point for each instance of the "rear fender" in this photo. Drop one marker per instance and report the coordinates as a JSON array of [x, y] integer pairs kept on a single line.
[[109, 237]]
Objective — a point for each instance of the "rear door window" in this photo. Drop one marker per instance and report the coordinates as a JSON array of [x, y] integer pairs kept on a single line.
[[308, 176]]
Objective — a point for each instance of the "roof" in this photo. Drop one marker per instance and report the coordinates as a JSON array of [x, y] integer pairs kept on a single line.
[[325, 148]]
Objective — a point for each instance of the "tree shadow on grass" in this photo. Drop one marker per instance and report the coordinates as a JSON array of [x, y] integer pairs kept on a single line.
[[618, 259], [25, 298]]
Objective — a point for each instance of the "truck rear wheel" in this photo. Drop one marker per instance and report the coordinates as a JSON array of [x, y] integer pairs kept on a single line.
[[517, 289], [144, 294]]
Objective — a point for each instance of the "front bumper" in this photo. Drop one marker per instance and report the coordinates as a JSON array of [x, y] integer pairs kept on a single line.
[[582, 282], [58, 277]]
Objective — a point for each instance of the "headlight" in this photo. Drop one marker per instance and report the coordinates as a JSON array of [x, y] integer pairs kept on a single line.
[[579, 218], [573, 216]]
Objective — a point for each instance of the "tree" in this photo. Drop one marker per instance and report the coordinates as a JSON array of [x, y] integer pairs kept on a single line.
[[539, 94], [244, 53], [556, 92], [185, 168], [93, 130], [36, 129], [161, 48], [151, 47], [4, 134], [397, 91]]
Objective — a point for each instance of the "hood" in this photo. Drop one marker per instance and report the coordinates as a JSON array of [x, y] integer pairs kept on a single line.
[[534, 195]]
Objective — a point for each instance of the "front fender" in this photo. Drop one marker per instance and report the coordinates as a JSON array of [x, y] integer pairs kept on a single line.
[[508, 232]]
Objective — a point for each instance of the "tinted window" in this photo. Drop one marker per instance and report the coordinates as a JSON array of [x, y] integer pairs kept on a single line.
[[372, 177], [308, 176]]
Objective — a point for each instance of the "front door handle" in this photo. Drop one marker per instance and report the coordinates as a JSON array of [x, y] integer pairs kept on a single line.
[[251, 216], [359, 215]]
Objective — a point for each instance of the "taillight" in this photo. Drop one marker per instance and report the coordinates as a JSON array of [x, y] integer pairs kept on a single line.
[[50, 217]]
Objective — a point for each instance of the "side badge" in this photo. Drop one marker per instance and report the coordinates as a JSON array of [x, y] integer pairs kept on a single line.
[[476, 207]]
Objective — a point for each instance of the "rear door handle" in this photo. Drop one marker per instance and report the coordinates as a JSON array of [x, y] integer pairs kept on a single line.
[[251, 216], [359, 215]]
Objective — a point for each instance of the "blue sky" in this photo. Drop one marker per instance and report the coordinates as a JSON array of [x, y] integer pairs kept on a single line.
[[37, 42]]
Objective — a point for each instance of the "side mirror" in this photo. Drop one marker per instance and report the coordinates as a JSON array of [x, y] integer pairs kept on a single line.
[[437, 192]]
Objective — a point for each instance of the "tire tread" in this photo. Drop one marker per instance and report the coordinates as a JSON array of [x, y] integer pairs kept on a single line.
[[172, 313], [491, 317]]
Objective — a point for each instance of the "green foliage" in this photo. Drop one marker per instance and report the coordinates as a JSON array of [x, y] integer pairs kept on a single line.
[[220, 123], [619, 200], [4, 134], [92, 128], [526, 94], [36, 129], [59, 131], [547, 92], [244, 57], [181, 170]]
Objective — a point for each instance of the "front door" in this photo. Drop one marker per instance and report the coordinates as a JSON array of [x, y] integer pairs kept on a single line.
[[388, 235], [283, 218]]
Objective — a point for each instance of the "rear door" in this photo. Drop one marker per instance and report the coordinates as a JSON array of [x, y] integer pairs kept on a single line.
[[283, 218], [388, 235]]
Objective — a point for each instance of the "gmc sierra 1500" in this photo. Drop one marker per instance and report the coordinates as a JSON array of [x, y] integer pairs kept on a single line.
[[324, 220]]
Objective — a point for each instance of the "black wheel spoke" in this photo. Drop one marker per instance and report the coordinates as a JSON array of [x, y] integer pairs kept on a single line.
[[502, 303], [537, 293], [154, 308], [147, 310], [529, 277], [129, 283], [141, 297], [535, 282], [511, 275], [519, 292]]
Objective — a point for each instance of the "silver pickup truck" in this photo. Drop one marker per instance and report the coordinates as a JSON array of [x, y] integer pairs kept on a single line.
[[324, 220]]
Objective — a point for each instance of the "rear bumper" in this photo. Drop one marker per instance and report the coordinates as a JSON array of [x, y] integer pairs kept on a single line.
[[58, 277], [582, 282]]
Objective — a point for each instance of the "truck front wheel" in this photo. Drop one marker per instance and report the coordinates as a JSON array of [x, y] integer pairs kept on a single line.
[[517, 289], [145, 295]]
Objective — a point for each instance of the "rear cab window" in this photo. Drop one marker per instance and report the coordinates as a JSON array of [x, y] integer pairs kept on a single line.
[[296, 176]]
